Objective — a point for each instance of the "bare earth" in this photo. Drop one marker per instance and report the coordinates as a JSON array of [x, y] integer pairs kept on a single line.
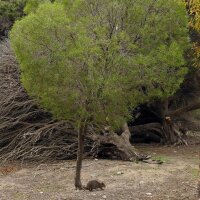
[[176, 179]]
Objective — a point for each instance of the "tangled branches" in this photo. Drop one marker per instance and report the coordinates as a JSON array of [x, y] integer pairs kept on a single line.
[[27, 131]]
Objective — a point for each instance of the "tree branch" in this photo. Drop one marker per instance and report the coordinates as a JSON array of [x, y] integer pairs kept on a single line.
[[188, 108]]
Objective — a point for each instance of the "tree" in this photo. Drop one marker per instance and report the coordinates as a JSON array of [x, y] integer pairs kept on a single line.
[[91, 62], [78, 90]]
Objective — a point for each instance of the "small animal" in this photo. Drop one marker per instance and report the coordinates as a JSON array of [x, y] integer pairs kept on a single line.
[[94, 184], [7, 170]]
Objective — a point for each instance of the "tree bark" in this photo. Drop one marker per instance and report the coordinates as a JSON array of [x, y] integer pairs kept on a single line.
[[81, 134], [128, 152], [124, 149], [168, 131]]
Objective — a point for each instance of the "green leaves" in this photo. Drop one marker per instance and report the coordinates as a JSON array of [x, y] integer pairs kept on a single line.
[[32, 5], [10, 10], [96, 60]]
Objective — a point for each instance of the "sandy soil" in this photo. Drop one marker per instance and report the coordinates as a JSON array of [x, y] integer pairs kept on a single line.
[[176, 179]]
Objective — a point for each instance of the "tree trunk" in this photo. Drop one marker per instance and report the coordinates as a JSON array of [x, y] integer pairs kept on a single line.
[[169, 136], [81, 134], [124, 149], [173, 133], [128, 152]]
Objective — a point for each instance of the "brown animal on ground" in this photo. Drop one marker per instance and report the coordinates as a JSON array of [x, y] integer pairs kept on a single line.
[[94, 184], [8, 170]]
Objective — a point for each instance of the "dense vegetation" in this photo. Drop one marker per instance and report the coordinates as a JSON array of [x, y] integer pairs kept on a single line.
[[158, 50], [92, 62], [10, 10], [94, 65]]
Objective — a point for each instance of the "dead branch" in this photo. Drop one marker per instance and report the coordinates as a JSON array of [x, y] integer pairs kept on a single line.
[[191, 107]]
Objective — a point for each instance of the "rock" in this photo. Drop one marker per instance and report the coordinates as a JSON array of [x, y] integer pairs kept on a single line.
[[141, 182], [104, 196], [119, 173], [62, 168], [149, 194]]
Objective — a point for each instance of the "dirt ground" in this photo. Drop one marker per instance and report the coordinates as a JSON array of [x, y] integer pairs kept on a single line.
[[176, 179]]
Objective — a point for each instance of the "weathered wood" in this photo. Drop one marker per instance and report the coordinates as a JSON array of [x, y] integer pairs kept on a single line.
[[125, 150]]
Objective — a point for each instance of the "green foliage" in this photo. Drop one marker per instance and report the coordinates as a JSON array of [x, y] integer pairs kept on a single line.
[[32, 5], [10, 10], [194, 11], [95, 60]]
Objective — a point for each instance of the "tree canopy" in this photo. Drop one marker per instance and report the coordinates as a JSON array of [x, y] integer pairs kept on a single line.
[[90, 58], [63, 74]]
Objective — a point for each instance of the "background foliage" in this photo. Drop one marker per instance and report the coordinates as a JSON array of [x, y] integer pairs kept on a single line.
[[10, 10]]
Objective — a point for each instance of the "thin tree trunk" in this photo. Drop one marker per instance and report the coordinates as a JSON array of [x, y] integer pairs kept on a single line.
[[81, 134]]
